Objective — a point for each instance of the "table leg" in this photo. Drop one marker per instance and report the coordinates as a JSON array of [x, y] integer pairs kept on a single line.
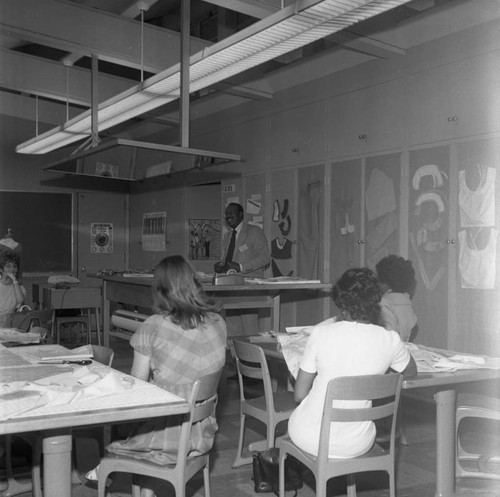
[[98, 325], [106, 309], [445, 443], [276, 313], [57, 463]]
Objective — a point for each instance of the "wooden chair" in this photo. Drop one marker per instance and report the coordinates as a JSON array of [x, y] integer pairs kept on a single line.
[[468, 464], [202, 403], [271, 408], [386, 388]]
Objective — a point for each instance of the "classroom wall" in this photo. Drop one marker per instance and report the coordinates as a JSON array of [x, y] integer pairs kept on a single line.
[[25, 173], [438, 95], [180, 204]]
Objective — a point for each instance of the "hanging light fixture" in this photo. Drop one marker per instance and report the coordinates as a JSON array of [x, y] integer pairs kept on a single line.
[[291, 28]]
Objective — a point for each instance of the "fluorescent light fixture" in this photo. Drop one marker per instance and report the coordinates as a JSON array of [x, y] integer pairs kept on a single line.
[[134, 160], [293, 27]]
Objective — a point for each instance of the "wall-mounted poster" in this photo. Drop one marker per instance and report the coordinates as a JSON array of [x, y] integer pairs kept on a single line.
[[204, 239], [101, 238], [154, 231]]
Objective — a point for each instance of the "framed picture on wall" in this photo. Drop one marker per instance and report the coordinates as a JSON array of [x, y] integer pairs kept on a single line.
[[204, 239]]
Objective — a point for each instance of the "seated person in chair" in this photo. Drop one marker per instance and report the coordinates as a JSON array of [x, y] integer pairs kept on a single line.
[[348, 345], [184, 341], [12, 292], [397, 282]]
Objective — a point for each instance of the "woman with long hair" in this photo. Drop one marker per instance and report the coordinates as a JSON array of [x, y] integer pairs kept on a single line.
[[183, 341]]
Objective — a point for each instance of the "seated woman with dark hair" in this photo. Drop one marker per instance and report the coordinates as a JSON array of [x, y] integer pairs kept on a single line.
[[12, 293], [184, 341], [350, 345], [397, 282]]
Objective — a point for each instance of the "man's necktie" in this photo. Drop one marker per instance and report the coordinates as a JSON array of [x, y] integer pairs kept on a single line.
[[230, 248]]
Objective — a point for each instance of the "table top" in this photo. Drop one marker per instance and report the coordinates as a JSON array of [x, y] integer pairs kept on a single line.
[[140, 401], [251, 284], [271, 349]]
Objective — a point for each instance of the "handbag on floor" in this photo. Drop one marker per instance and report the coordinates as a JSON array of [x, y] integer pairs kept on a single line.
[[265, 467]]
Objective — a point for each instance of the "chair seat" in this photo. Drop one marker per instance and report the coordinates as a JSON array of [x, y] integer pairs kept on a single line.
[[283, 401], [373, 459], [202, 402], [384, 391], [469, 464]]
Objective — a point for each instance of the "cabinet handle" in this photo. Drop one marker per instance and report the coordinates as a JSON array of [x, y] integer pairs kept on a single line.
[[361, 242], [452, 241]]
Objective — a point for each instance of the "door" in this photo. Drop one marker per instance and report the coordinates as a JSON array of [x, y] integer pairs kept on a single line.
[[346, 233], [102, 234], [431, 247]]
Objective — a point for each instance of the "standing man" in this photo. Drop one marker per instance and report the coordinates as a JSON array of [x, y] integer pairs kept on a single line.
[[246, 251], [245, 247]]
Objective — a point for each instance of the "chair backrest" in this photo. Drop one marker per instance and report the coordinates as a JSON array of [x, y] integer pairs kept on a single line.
[[251, 362], [103, 355], [42, 318], [202, 402], [384, 388]]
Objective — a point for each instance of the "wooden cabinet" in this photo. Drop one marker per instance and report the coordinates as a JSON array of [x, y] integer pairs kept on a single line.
[[431, 248], [346, 235], [448, 102], [476, 281], [370, 119], [366, 200]]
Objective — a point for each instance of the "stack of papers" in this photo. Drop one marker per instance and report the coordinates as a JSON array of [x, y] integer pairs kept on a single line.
[[49, 353], [431, 361]]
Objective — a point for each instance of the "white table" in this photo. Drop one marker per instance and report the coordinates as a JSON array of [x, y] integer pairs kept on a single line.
[[142, 401], [137, 291], [445, 399]]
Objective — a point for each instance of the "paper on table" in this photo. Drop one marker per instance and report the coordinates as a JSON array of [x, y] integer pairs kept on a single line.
[[431, 361], [279, 280], [85, 383], [299, 329], [84, 352], [292, 347]]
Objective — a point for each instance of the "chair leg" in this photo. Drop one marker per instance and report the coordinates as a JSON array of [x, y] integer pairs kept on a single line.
[[241, 461], [392, 484], [206, 478], [36, 476], [351, 485], [281, 474], [271, 430]]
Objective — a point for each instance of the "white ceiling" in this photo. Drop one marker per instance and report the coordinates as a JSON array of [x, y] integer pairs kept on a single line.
[[45, 47]]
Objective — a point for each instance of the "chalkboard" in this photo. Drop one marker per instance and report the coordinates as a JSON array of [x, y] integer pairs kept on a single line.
[[42, 224]]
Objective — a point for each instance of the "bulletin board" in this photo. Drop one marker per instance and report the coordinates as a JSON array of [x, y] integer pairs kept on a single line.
[[42, 224]]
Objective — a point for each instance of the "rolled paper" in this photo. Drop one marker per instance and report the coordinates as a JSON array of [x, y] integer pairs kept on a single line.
[[128, 321]]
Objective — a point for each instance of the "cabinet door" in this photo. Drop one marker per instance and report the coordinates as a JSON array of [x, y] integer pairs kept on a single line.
[[382, 207], [477, 287], [346, 233], [430, 247]]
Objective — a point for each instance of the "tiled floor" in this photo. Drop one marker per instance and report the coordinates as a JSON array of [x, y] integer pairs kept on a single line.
[[415, 462]]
